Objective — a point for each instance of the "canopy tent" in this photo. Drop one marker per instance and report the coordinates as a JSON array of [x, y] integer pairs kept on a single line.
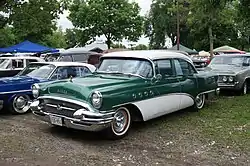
[[227, 50], [27, 46], [183, 48]]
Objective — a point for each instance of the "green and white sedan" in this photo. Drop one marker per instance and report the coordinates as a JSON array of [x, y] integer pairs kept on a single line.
[[127, 86]]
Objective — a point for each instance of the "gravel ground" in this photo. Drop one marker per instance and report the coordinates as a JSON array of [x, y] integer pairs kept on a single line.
[[24, 140]]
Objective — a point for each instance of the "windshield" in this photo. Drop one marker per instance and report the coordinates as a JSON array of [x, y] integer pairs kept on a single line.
[[4, 63], [30, 68], [40, 71], [227, 60], [136, 67]]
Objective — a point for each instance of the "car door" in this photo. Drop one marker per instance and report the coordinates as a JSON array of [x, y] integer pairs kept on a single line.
[[188, 82], [168, 87]]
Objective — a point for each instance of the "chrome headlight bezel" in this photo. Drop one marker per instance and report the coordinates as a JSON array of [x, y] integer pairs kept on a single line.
[[35, 90], [96, 99], [224, 78], [230, 79]]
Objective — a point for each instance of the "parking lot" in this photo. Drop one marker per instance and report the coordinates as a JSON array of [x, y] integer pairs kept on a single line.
[[175, 139]]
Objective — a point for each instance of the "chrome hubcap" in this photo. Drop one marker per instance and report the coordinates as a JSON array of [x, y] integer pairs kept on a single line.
[[21, 102], [199, 100], [120, 121]]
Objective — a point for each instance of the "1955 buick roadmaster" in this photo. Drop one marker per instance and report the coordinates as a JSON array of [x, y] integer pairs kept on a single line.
[[127, 86]]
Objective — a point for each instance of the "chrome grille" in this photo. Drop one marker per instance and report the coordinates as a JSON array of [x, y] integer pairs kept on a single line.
[[60, 107]]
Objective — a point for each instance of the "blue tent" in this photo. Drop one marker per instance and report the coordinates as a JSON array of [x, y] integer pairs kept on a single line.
[[27, 46]]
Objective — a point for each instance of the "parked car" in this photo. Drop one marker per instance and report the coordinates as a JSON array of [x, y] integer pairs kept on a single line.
[[75, 55], [127, 86], [15, 92], [200, 61], [10, 66], [233, 71]]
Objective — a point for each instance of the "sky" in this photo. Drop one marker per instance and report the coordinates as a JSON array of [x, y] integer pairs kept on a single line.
[[145, 7]]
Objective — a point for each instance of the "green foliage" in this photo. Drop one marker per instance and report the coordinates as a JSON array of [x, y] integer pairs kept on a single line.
[[76, 37], [7, 37], [116, 19], [56, 40], [140, 47], [162, 21], [117, 45]]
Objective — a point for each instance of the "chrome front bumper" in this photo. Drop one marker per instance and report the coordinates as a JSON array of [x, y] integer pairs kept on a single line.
[[82, 119]]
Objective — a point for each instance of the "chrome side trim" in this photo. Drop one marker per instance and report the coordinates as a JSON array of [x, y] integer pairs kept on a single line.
[[19, 91], [210, 91]]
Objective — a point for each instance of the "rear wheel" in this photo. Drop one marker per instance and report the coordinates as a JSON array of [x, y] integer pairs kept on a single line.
[[120, 124], [20, 104]]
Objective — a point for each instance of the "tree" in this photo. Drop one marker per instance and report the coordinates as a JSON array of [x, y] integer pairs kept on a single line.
[[140, 47], [7, 37], [161, 22], [34, 19], [76, 37], [56, 40], [205, 14], [117, 45], [116, 19]]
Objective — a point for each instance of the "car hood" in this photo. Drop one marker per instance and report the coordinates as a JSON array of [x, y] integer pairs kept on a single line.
[[17, 83], [82, 88], [225, 69]]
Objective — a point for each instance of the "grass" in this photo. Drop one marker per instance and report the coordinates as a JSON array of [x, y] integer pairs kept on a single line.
[[225, 120]]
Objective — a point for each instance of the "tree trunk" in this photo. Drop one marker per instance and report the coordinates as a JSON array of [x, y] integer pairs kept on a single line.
[[108, 42], [211, 41]]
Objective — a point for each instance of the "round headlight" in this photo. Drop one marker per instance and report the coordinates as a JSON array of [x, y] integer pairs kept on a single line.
[[224, 79], [96, 99], [230, 79], [35, 90]]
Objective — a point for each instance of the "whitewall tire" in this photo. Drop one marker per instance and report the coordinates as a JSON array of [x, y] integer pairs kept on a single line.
[[199, 101], [120, 125], [20, 104]]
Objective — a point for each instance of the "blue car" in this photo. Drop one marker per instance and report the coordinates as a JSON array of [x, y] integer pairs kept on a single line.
[[15, 92]]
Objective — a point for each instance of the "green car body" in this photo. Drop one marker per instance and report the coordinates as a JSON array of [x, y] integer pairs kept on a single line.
[[97, 102]]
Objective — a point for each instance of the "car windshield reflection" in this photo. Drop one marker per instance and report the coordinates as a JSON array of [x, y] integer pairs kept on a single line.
[[38, 71], [130, 67]]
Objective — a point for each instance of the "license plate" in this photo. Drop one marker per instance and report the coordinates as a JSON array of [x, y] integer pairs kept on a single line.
[[56, 120]]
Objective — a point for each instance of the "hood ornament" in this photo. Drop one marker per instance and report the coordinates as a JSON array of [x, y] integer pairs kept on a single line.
[[70, 79]]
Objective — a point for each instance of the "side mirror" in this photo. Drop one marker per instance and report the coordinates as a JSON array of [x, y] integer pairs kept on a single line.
[[156, 79]]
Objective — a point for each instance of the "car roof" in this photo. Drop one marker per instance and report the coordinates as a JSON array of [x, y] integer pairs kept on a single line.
[[232, 55], [62, 64], [77, 50], [21, 57], [149, 54]]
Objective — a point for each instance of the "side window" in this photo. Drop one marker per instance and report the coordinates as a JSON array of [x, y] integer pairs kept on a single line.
[[17, 63], [165, 67], [66, 58], [81, 57], [64, 73], [182, 67], [82, 71]]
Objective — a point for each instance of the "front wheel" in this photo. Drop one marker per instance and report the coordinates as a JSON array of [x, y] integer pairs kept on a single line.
[[20, 104], [199, 101], [120, 125]]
